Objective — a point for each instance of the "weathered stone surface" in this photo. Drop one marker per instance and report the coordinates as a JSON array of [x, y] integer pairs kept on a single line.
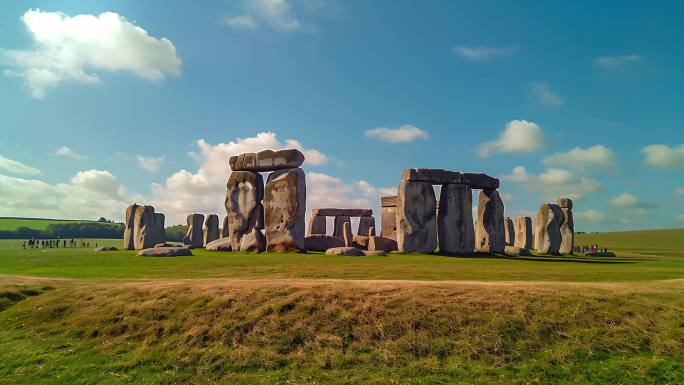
[[253, 242], [489, 230], [244, 192], [226, 227], [371, 232], [416, 222], [347, 235], [374, 253], [322, 242], [193, 237], [388, 201], [165, 252], [513, 250], [360, 241], [365, 224], [382, 244], [388, 217], [221, 244], [547, 235], [211, 231], [160, 231], [164, 244], [129, 228], [145, 227], [523, 232], [509, 232], [338, 226], [334, 212], [440, 176], [317, 225], [564, 203], [106, 248], [267, 160], [348, 251], [285, 209], [567, 230], [455, 219]]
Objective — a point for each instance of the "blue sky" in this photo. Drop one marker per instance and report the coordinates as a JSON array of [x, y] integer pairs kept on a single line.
[[145, 103]]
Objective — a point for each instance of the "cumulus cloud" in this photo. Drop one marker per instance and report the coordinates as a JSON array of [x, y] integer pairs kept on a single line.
[[631, 204], [519, 136], [275, 14], [69, 153], [17, 167], [543, 95], [404, 134], [580, 159], [75, 48], [663, 156], [614, 62], [150, 164], [554, 183], [204, 191], [88, 195], [482, 53]]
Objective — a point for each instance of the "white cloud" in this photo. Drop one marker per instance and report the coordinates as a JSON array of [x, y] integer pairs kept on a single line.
[[69, 153], [631, 204], [88, 195], [662, 156], [554, 183], [591, 215], [519, 136], [613, 62], [17, 167], [150, 164], [204, 191], [482, 53], [625, 200], [371, 191], [543, 95], [73, 48], [579, 159], [276, 14], [404, 134]]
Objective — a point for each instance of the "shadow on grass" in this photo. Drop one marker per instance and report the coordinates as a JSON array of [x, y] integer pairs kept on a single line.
[[548, 258]]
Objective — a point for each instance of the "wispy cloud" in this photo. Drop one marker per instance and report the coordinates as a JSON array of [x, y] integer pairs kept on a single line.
[[614, 62], [275, 14], [69, 153], [632, 204], [404, 134], [150, 164], [663, 156], [594, 158], [482, 53], [544, 96], [17, 167]]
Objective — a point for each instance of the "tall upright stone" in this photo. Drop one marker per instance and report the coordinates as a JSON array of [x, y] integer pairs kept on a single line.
[[416, 228], [159, 220], [193, 237], [129, 228], [547, 235], [145, 228], [388, 217], [365, 224], [567, 227], [347, 236], [226, 227], [285, 210], [523, 232], [509, 232], [317, 225], [244, 192], [210, 231], [455, 219], [489, 230], [338, 226]]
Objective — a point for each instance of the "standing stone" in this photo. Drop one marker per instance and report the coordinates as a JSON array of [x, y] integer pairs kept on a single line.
[[509, 231], [567, 227], [225, 228], [416, 212], [317, 225], [347, 235], [365, 224], [338, 226], [193, 237], [244, 192], [210, 230], [489, 231], [547, 235], [455, 219], [129, 228], [388, 217], [285, 210], [145, 228], [523, 232], [159, 219], [371, 232]]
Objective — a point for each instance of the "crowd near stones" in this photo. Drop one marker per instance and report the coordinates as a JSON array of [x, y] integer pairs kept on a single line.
[[270, 216]]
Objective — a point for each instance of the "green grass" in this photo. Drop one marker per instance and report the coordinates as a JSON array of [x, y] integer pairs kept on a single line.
[[11, 224]]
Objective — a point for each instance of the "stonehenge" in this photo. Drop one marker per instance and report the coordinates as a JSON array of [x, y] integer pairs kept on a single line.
[[285, 209], [318, 224], [194, 237], [567, 226], [455, 219], [211, 231], [416, 217], [244, 210], [547, 235], [489, 232], [143, 227], [509, 231], [523, 232], [388, 217]]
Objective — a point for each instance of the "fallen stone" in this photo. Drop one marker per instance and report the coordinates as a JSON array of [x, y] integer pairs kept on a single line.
[[221, 244], [416, 217], [489, 229], [338, 226], [106, 248], [267, 160], [253, 242], [317, 225], [165, 252], [509, 232], [512, 250], [523, 232], [285, 210], [365, 224], [211, 231], [360, 241], [347, 234], [456, 232], [547, 235], [440, 176], [382, 244], [322, 242], [129, 228], [193, 237], [375, 253], [164, 244], [348, 251]]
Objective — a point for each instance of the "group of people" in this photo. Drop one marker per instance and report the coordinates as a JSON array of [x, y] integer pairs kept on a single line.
[[54, 243], [590, 249]]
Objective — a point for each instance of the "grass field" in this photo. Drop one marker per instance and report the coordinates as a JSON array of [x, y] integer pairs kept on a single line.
[[11, 224], [75, 316]]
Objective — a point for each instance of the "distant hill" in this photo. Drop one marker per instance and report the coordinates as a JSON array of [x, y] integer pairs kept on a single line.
[[26, 228], [13, 223]]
